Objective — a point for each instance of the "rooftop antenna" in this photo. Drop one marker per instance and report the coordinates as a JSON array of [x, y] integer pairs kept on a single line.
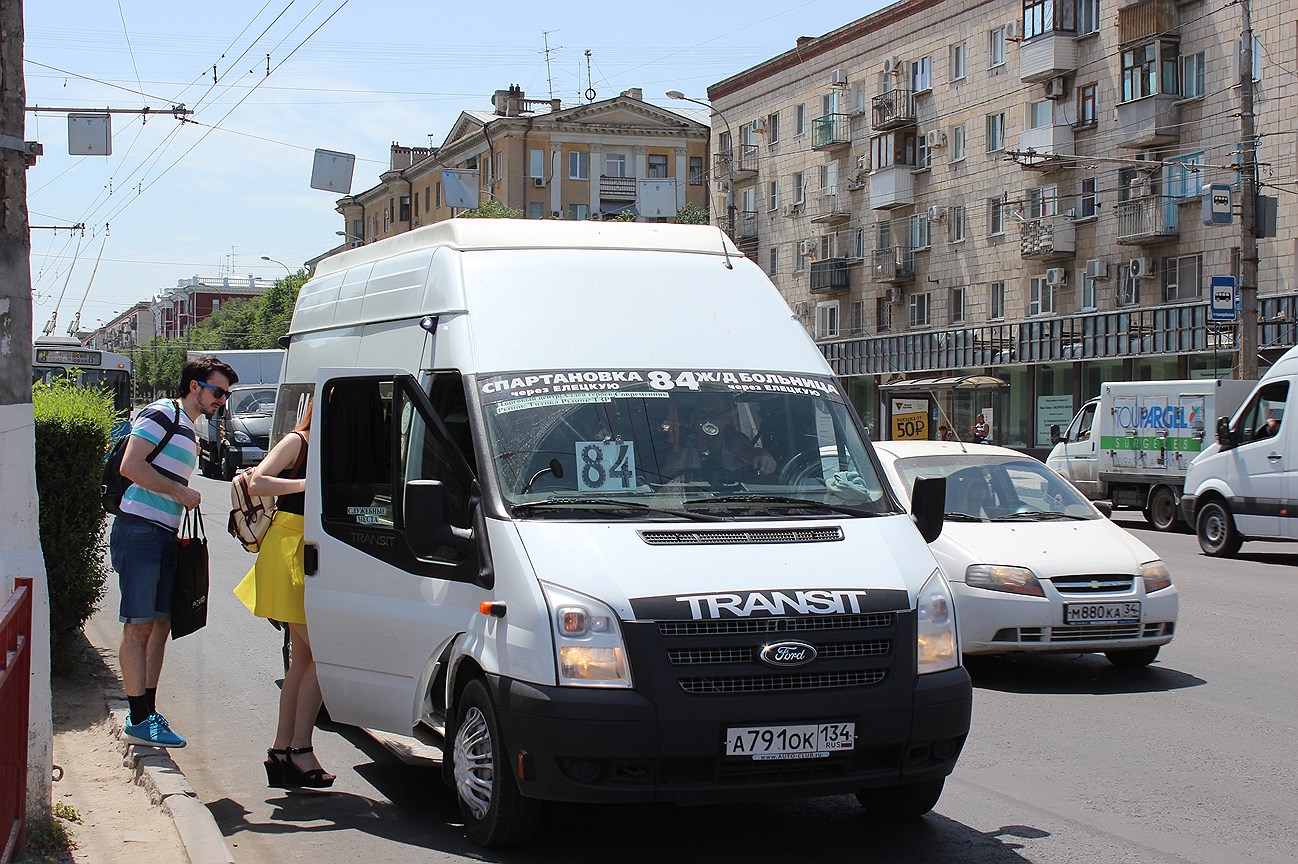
[[590, 85], [545, 40]]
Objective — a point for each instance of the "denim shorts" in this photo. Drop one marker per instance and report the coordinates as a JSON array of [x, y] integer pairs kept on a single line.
[[144, 555]]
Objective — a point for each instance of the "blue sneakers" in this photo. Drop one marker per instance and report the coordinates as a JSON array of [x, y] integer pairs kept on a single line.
[[154, 731]]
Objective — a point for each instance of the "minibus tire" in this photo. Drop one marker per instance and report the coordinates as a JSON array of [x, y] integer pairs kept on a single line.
[[906, 801], [1215, 528], [498, 814], [1162, 510]]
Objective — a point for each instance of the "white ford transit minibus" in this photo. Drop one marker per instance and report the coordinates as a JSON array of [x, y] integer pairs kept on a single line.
[[585, 502]]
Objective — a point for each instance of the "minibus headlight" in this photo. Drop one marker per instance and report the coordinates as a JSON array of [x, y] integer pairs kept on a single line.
[[1156, 576], [1002, 577], [241, 437], [937, 641], [588, 640]]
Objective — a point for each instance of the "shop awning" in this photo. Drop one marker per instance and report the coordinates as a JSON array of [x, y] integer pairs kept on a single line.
[[946, 382]]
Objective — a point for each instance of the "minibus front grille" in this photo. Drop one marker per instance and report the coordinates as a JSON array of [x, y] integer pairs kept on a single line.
[[705, 656], [774, 625], [1096, 584], [731, 535], [779, 683]]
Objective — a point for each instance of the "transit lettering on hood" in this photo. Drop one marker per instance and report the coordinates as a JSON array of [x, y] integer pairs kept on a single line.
[[774, 603]]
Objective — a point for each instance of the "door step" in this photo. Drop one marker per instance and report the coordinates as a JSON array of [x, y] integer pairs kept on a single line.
[[424, 747]]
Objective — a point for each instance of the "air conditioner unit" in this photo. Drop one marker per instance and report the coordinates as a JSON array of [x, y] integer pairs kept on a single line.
[[789, 209], [1141, 267], [807, 247], [1056, 88], [759, 125], [936, 213], [1139, 186], [863, 162], [539, 182], [892, 295], [935, 138], [1014, 31], [1097, 268], [892, 66], [1056, 276], [838, 78]]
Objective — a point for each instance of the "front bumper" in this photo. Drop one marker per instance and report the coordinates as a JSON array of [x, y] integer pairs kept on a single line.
[[246, 455], [1187, 508]]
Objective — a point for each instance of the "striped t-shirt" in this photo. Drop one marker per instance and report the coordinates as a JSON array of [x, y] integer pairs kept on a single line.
[[176, 462]]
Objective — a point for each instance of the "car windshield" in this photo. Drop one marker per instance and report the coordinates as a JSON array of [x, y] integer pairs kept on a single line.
[[998, 487], [259, 401], [670, 443]]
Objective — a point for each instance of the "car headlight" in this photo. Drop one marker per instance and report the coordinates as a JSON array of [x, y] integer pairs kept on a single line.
[[1002, 577], [1156, 576], [241, 437], [587, 638], [937, 641]]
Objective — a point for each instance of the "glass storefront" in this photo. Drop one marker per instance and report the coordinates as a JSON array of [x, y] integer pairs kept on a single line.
[[1097, 372], [1012, 422], [863, 393]]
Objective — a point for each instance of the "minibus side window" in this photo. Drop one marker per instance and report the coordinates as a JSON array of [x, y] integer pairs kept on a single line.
[[356, 487], [1265, 413], [424, 453]]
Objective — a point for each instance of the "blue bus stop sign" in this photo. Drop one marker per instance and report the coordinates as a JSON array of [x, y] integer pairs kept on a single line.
[[1223, 299]]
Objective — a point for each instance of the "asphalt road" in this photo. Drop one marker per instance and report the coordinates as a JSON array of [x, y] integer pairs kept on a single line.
[[1069, 759]]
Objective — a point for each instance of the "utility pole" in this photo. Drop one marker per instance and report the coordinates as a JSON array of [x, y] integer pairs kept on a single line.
[[19, 523], [1247, 367]]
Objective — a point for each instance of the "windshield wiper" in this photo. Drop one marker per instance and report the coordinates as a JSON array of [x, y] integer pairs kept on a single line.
[[1037, 516], [615, 505], [753, 498], [961, 517]]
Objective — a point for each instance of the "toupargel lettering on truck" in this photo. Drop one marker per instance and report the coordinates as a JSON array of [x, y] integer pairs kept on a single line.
[[1134, 423]]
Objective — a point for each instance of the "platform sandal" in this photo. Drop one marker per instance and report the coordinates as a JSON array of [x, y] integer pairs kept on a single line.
[[316, 778], [276, 761]]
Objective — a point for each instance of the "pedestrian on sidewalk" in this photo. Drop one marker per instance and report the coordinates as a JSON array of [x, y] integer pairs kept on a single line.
[[275, 589], [142, 544]]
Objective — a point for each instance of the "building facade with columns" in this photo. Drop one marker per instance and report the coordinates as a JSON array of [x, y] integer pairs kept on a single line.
[[549, 160], [177, 310], [1007, 194]]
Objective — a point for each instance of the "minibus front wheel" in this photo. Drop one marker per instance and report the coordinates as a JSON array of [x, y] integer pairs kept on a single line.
[[495, 813], [907, 801]]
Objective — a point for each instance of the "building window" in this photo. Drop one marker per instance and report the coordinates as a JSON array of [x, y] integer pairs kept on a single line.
[[828, 246], [923, 155], [615, 165], [438, 189], [772, 128], [921, 75], [773, 195], [1040, 114], [957, 143], [799, 188], [578, 211], [405, 208], [1144, 65], [1086, 102], [919, 235], [1128, 287], [918, 309], [959, 61], [883, 314], [799, 257], [955, 220], [534, 210], [1041, 296], [996, 300], [995, 132], [536, 163], [772, 261], [1192, 66], [216, 303], [829, 178], [996, 215], [387, 219], [893, 148], [358, 229], [996, 47], [957, 305], [827, 319], [1181, 278], [1086, 203], [1090, 294], [1185, 176], [1088, 17], [1047, 16], [1042, 202], [578, 165], [858, 243], [696, 170], [800, 120], [856, 318], [657, 166]]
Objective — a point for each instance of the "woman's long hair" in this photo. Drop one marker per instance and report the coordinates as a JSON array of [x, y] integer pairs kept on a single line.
[[304, 425]]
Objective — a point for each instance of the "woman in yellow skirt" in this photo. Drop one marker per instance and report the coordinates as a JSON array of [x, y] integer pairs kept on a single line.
[[274, 589]]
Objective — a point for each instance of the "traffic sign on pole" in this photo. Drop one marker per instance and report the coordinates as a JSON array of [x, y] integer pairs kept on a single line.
[[1223, 299]]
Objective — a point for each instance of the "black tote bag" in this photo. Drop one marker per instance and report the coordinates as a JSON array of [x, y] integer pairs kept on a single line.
[[189, 595]]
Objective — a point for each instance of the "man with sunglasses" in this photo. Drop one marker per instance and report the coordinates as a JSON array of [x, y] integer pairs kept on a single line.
[[142, 544]]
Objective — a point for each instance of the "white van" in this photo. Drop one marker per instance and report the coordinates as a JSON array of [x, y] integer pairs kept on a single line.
[[1245, 486], [586, 504]]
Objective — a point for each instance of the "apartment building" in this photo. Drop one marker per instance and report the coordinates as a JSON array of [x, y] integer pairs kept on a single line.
[[126, 330], [547, 159], [995, 206], [177, 310]]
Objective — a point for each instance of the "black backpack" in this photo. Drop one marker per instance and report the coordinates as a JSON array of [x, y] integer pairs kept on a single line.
[[115, 485]]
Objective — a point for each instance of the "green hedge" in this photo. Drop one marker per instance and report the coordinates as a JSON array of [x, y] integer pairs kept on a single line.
[[73, 426]]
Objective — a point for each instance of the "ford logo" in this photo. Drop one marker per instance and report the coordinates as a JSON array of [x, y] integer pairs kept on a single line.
[[785, 654]]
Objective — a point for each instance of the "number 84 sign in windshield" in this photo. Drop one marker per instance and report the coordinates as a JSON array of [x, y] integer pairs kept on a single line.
[[605, 466]]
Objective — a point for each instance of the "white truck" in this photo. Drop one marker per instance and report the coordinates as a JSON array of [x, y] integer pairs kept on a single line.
[[586, 507], [1133, 444]]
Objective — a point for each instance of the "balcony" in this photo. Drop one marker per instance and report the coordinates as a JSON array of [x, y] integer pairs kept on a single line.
[[1147, 221], [1048, 238], [617, 188], [891, 187], [892, 110], [1150, 121], [830, 209], [1047, 55], [741, 160], [831, 131], [830, 276], [1046, 145], [745, 224], [894, 264]]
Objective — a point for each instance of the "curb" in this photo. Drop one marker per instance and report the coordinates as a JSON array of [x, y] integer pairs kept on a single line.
[[158, 773]]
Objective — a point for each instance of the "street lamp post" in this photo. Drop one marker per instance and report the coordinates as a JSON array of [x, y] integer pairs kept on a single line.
[[280, 263], [729, 157], [350, 237]]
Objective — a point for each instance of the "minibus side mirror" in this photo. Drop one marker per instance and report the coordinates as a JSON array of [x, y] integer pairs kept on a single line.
[[1106, 510], [1224, 436], [927, 504], [428, 499]]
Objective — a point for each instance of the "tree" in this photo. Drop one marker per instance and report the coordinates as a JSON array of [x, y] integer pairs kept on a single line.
[[691, 214], [491, 209]]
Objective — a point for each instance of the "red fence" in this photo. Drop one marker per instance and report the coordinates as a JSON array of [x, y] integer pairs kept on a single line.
[[15, 687]]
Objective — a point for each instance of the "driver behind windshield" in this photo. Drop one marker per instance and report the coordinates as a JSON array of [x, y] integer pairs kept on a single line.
[[709, 438]]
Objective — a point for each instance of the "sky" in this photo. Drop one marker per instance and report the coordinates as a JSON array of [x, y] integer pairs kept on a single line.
[[210, 197]]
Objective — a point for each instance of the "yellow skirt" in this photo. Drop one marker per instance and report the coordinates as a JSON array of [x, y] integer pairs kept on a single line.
[[275, 585]]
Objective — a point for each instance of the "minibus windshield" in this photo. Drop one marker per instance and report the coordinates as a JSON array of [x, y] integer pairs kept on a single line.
[[669, 443]]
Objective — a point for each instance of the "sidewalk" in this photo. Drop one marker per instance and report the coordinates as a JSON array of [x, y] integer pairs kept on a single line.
[[134, 803]]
